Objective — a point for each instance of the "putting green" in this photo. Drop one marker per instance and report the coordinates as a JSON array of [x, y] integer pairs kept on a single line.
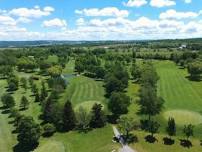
[[87, 105], [183, 117], [51, 146]]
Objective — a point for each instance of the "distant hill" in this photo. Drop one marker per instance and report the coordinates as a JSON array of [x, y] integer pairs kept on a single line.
[[18, 44]]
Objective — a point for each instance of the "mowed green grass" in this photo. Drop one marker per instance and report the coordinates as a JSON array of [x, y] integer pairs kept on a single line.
[[83, 91], [177, 90], [183, 98], [99, 140]]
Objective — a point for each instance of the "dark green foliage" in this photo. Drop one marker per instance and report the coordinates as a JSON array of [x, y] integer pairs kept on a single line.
[[47, 110], [13, 82], [24, 83], [149, 75], [135, 72], [37, 97], [118, 103], [14, 112], [8, 101], [28, 132], [171, 128], [48, 130], [195, 69], [24, 104], [79, 67], [153, 127], [149, 103], [188, 130], [44, 92], [26, 63], [116, 79], [98, 119], [6, 70], [57, 83], [34, 89], [69, 119]]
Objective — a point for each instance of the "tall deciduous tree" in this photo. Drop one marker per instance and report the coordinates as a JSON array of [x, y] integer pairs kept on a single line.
[[118, 103], [150, 104], [195, 69]]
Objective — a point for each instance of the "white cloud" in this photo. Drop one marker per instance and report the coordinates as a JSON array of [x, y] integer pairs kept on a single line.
[[80, 22], [135, 3], [187, 1], [35, 12], [23, 20], [7, 20], [173, 14], [108, 11], [162, 3], [56, 22]]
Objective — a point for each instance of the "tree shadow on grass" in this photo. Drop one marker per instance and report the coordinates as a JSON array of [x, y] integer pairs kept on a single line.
[[150, 139], [185, 143], [22, 148], [6, 111], [197, 79], [168, 141]]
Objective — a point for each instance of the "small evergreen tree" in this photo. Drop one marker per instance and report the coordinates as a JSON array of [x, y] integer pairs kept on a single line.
[[98, 118], [171, 128], [69, 119], [188, 130], [24, 103]]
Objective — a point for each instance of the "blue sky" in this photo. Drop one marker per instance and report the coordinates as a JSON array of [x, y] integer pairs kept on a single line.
[[99, 19]]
